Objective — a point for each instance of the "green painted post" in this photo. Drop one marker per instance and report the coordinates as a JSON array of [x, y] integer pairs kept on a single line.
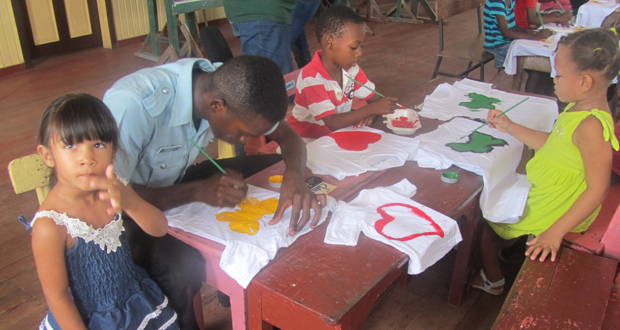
[[153, 28], [173, 30]]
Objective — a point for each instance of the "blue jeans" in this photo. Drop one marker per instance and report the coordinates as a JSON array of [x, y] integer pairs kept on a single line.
[[268, 39], [500, 53], [303, 12]]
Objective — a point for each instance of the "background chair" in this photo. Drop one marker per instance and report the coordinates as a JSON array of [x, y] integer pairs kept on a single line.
[[471, 49]]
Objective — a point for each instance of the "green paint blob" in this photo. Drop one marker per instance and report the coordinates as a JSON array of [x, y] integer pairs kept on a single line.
[[478, 102], [478, 142]]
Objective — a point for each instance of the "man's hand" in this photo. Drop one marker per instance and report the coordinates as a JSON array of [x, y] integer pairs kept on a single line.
[[294, 192], [223, 190]]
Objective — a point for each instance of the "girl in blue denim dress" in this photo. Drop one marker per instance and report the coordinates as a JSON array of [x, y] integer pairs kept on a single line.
[[81, 252]]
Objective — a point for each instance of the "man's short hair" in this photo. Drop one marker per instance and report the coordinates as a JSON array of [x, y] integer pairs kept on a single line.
[[334, 20], [252, 86]]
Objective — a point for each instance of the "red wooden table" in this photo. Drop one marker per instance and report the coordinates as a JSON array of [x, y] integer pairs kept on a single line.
[[313, 285], [212, 251]]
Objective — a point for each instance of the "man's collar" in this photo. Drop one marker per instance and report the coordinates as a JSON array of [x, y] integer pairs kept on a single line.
[[183, 106]]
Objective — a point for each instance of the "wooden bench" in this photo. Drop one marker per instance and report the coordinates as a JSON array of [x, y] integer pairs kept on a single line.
[[580, 290], [471, 49], [569, 293], [606, 224]]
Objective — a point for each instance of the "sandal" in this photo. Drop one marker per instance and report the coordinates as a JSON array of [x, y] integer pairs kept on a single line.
[[494, 288]]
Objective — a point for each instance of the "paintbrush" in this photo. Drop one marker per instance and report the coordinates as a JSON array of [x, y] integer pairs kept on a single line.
[[539, 16], [501, 114], [211, 159], [559, 4], [374, 91]]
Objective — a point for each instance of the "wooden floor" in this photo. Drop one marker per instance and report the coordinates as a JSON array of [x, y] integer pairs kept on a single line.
[[398, 58]]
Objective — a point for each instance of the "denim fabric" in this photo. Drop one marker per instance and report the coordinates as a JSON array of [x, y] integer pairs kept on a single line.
[[500, 53], [303, 12], [268, 39]]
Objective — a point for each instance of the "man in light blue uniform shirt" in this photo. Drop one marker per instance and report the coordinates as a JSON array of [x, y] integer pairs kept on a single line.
[[158, 110]]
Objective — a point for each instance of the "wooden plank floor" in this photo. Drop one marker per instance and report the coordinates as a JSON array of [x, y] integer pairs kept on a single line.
[[398, 58]]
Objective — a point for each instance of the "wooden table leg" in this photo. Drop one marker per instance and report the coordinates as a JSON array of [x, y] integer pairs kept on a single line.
[[518, 77], [238, 308], [255, 307], [470, 225]]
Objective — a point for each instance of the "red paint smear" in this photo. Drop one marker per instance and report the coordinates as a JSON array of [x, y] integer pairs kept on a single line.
[[386, 218], [355, 140], [402, 122]]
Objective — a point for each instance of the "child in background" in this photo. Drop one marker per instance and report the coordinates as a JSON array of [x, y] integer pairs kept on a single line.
[[570, 172], [324, 91], [526, 15], [81, 252], [500, 29], [555, 6]]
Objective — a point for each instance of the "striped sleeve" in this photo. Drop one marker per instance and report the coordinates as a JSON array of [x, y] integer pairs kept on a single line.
[[362, 92]]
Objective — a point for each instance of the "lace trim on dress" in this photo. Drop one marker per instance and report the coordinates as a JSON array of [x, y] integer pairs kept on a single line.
[[155, 314], [108, 237]]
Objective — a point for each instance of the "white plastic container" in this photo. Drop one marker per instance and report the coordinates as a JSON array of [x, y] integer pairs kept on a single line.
[[410, 114]]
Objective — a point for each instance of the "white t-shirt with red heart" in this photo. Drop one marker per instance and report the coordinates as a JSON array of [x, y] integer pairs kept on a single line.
[[349, 152], [388, 215]]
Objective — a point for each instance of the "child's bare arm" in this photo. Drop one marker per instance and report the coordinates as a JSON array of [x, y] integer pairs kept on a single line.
[[597, 158], [512, 34], [124, 198], [532, 138], [382, 106], [48, 247]]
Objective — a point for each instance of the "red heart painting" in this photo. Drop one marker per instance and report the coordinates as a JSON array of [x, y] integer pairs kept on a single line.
[[355, 140], [386, 218]]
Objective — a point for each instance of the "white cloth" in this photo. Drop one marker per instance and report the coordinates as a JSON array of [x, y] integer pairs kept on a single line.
[[326, 157], [505, 192], [244, 255], [412, 234], [444, 104], [592, 13], [524, 47]]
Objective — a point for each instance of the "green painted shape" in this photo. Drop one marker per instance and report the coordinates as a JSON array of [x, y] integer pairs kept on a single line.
[[480, 101], [478, 143]]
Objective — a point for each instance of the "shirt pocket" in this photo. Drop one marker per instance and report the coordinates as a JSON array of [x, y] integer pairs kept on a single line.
[[167, 164]]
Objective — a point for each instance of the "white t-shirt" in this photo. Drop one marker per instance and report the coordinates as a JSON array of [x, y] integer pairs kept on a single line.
[[472, 99], [387, 214], [495, 156], [244, 255], [349, 152]]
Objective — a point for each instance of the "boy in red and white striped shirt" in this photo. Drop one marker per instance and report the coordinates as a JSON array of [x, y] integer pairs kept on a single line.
[[324, 91]]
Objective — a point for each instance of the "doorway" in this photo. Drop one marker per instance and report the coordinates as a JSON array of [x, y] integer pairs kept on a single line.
[[53, 27]]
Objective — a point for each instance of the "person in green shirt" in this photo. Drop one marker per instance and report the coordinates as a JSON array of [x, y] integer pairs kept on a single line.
[[264, 28]]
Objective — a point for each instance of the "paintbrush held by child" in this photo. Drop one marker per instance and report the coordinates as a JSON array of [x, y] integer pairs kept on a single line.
[[327, 85], [570, 172]]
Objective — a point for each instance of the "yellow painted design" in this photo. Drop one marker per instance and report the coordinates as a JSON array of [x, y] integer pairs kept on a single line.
[[245, 220]]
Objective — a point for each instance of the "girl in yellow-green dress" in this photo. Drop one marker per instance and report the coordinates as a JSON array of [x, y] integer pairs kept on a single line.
[[570, 172]]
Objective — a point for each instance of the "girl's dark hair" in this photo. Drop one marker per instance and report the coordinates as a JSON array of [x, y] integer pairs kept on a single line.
[[334, 19], [78, 117], [594, 49]]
